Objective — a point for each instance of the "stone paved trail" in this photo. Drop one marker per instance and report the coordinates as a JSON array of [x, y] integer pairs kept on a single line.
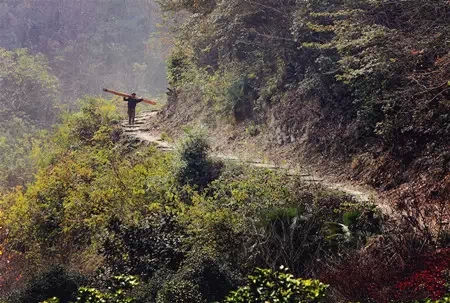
[[140, 132]]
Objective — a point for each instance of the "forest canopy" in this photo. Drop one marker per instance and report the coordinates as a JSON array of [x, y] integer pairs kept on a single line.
[[90, 43]]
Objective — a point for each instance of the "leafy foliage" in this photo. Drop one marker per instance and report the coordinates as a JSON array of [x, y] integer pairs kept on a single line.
[[17, 142], [29, 89], [56, 282], [179, 291], [192, 227], [203, 278], [141, 250], [196, 168], [118, 292], [266, 285], [114, 210], [27, 104]]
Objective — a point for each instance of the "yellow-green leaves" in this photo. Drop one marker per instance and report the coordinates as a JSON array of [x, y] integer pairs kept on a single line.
[[266, 285]]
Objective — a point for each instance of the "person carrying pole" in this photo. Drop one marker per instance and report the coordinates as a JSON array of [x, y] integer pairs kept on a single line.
[[132, 102]]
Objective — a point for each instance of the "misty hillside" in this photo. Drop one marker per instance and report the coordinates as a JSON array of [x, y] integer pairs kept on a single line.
[[90, 43], [297, 151], [54, 52]]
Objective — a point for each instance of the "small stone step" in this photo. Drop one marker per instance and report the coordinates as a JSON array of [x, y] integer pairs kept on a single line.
[[130, 126]]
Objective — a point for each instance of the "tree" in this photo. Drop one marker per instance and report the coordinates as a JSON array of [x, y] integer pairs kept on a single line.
[[29, 89], [28, 102], [195, 167]]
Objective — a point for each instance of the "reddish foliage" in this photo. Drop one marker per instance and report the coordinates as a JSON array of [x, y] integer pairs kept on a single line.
[[11, 265], [361, 278], [427, 279]]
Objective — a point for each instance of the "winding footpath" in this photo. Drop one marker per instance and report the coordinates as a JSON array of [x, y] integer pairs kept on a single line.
[[141, 133]]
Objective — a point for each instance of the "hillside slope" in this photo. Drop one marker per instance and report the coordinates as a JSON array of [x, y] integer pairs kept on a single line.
[[359, 88], [145, 132], [106, 214]]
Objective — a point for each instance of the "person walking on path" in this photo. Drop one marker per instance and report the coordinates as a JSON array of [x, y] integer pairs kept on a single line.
[[132, 102]]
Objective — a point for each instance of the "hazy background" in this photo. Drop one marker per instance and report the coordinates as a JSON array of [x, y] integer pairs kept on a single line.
[[90, 43], [53, 52]]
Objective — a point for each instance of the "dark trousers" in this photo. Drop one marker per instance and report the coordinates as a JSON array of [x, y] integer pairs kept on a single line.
[[131, 115]]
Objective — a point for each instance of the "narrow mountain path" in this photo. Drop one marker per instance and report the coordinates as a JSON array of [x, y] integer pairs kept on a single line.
[[140, 132]]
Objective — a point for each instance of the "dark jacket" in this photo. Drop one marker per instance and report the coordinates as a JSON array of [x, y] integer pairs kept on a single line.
[[132, 102]]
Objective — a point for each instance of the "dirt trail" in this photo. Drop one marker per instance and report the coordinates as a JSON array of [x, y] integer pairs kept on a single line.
[[142, 133]]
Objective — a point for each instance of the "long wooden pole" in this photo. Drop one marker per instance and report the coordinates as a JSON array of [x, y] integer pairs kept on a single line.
[[127, 95]]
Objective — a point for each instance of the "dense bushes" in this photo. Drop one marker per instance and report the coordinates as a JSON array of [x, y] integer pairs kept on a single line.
[[119, 291], [191, 227], [196, 168], [29, 87], [360, 82], [27, 105], [102, 209], [155, 243], [266, 285], [204, 277], [56, 282]]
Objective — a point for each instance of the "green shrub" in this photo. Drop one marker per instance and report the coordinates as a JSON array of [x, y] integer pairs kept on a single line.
[[182, 291], [96, 116], [288, 236], [280, 214], [195, 167], [177, 64], [212, 277], [148, 290], [201, 278], [56, 282], [152, 244], [18, 138], [239, 94], [359, 221], [266, 285], [119, 292]]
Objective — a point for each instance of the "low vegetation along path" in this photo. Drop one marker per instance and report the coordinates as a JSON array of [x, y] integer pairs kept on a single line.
[[140, 132]]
